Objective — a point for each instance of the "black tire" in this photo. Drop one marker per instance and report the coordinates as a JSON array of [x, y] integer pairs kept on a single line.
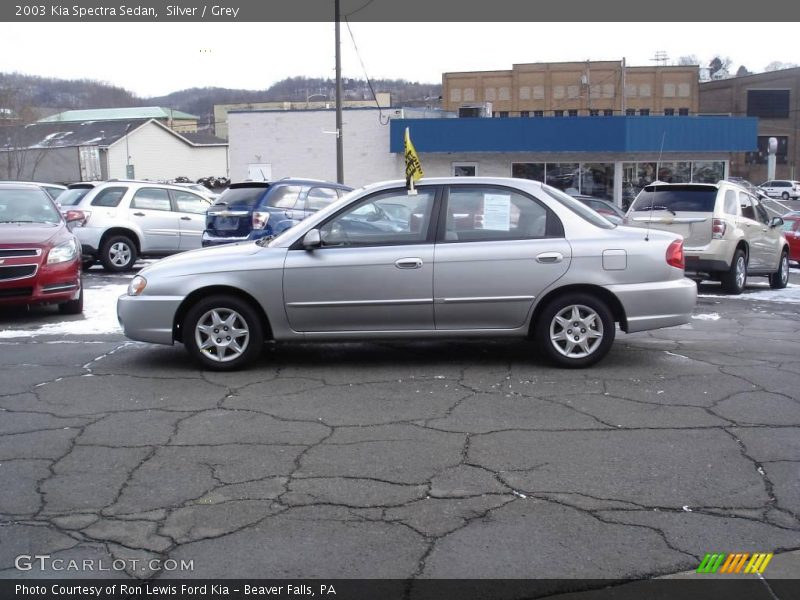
[[118, 254], [780, 278], [72, 307], [227, 352], [735, 278], [87, 264], [594, 333], [785, 196]]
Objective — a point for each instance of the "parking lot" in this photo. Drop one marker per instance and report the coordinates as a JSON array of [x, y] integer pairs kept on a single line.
[[397, 460]]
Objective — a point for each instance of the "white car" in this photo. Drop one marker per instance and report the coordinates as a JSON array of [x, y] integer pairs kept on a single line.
[[781, 188], [127, 219]]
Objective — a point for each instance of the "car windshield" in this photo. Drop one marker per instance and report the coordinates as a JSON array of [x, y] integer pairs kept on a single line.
[[674, 199], [578, 207], [72, 197], [27, 206], [243, 197]]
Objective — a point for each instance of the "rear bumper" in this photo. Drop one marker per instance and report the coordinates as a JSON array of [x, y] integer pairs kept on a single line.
[[656, 304], [695, 264]]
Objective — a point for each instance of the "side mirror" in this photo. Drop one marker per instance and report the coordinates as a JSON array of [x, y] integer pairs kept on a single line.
[[776, 222], [312, 240]]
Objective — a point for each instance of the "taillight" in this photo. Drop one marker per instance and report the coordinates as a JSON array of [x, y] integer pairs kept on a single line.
[[260, 219], [675, 255], [718, 229]]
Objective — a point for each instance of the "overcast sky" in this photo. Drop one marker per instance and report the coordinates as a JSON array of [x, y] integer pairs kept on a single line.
[[152, 59]]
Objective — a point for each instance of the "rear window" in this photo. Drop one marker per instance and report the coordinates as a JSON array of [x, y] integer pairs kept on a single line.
[[244, 197], [73, 196], [672, 199], [109, 197]]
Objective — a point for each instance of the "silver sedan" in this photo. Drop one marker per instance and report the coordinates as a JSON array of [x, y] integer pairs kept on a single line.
[[476, 257]]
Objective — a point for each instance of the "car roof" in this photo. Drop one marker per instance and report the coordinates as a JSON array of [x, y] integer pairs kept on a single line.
[[20, 185], [265, 184]]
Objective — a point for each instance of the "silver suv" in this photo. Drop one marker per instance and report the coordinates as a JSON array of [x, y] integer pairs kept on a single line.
[[727, 232], [127, 219]]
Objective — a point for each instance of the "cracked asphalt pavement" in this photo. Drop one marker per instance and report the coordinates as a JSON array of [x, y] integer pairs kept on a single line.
[[402, 460]]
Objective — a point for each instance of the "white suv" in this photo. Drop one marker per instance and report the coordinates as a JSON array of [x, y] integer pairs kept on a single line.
[[128, 219], [781, 188]]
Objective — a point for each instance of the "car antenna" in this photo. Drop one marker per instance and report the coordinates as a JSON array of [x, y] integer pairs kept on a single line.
[[655, 189]]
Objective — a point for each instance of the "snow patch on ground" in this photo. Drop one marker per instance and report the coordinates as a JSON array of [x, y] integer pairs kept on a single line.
[[99, 316], [707, 317], [790, 293]]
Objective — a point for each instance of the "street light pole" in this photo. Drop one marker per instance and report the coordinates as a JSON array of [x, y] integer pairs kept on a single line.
[[339, 145]]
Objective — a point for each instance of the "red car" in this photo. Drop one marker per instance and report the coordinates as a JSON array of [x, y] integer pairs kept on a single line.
[[791, 230], [40, 259]]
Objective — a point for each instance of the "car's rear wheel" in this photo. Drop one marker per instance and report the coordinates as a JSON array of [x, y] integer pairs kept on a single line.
[[72, 307], [118, 253], [780, 278], [575, 330], [223, 333], [785, 196], [735, 278]]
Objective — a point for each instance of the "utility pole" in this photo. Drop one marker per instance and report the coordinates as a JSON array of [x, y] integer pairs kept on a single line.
[[339, 145]]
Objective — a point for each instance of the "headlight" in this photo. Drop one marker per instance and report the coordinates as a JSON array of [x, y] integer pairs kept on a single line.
[[63, 252], [136, 285]]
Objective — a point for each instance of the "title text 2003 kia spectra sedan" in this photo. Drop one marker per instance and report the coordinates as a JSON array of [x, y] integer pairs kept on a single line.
[[485, 257]]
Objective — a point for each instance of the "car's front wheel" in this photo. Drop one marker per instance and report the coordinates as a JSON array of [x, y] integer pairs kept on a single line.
[[735, 278], [780, 278], [223, 333], [575, 330], [118, 253], [785, 196]]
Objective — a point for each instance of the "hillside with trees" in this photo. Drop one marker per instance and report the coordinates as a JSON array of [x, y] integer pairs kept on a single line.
[[30, 96]]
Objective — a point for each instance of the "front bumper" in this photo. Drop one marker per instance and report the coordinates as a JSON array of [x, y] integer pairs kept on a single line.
[[656, 304], [212, 240], [52, 284], [148, 318]]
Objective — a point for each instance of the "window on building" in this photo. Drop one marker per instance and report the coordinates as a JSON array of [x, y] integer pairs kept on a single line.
[[675, 171], [528, 171], [644, 112], [559, 91], [564, 176], [524, 113], [683, 112], [469, 94], [572, 112], [630, 112], [538, 92], [503, 114], [525, 92], [669, 112], [644, 90], [573, 91], [597, 180], [759, 157], [538, 113], [684, 90], [455, 95], [558, 113], [465, 169], [768, 104], [593, 112], [608, 112], [490, 94], [669, 90], [708, 171], [608, 90]]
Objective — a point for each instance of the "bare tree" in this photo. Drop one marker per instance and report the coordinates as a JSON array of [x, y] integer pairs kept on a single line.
[[777, 65], [689, 59], [21, 158]]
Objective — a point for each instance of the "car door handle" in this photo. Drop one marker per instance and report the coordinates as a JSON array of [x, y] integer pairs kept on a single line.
[[138, 214], [186, 218], [550, 257], [408, 263]]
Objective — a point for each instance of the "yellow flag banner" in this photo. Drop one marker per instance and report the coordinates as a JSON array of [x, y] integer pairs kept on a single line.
[[413, 166]]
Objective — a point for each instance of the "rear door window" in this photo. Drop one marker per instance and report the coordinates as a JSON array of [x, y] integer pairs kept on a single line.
[[286, 196], [731, 203], [151, 199], [109, 197], [320, 197], [746, 205]]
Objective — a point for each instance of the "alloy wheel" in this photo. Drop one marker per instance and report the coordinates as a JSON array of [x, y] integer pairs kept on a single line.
[[741, 272], [576, 331], [119, 254], [222, 335]]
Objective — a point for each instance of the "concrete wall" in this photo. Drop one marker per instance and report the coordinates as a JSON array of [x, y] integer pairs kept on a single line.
[[295, 144], [157, 154]]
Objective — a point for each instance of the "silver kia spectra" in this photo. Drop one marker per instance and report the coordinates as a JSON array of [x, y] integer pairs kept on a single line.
[[461, 257]]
